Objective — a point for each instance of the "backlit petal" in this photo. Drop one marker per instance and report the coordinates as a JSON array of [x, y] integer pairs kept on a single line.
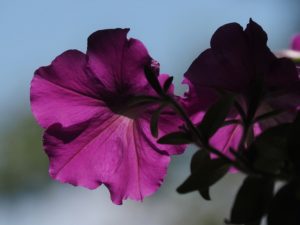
[[63, 93], [109, 151]]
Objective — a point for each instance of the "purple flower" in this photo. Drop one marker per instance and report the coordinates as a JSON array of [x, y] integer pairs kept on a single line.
[[239, 61], [93, 134], [292, 53], [295, 45]]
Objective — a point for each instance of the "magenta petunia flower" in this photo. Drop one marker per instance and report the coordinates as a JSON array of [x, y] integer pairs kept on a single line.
[[292, 53], [239, 61], [93, 134], [295, 44]]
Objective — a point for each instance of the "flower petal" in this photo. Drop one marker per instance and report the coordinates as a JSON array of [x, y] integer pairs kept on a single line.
[[107, 150], [258, 52], [227, 137], [63, 92], [234, 60], [223, 65], [283, 76], [296, 43], [118, 62], [229, 40], [168, 122], [284, 85]]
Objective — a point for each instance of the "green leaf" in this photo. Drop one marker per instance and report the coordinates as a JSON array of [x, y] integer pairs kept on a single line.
[[153, 80], [269, 150], [198, 158], [205, 194], [240, 110], [252, 200], [296, 60], [215, 116], [167, 84], [285, 207], [175, 138], [154, 120], [205, 172]]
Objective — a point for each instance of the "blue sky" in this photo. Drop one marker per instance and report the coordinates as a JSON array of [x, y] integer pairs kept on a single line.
[[34, 32]]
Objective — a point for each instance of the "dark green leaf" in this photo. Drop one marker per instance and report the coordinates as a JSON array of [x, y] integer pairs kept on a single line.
[[154, 121], [252, 200], [176, 138], [198, 159], [269, 150], [153, 80], [240, 109], [167, 84], [205, 172], [285, 207], [296, 60], [215, 116], [205, 194]]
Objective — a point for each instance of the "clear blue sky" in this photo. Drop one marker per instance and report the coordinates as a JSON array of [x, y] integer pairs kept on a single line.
[[33, 32]]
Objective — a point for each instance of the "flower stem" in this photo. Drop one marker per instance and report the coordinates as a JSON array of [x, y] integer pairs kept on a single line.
[[198, 137]]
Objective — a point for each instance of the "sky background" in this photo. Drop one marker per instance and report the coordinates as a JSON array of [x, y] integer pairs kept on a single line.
[[34, 32]]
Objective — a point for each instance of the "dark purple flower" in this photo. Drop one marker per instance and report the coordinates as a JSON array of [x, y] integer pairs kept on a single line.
[[93, 134], [239, 61]]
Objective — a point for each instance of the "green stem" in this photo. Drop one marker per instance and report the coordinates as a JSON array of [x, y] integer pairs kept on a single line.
[[197, 136]]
